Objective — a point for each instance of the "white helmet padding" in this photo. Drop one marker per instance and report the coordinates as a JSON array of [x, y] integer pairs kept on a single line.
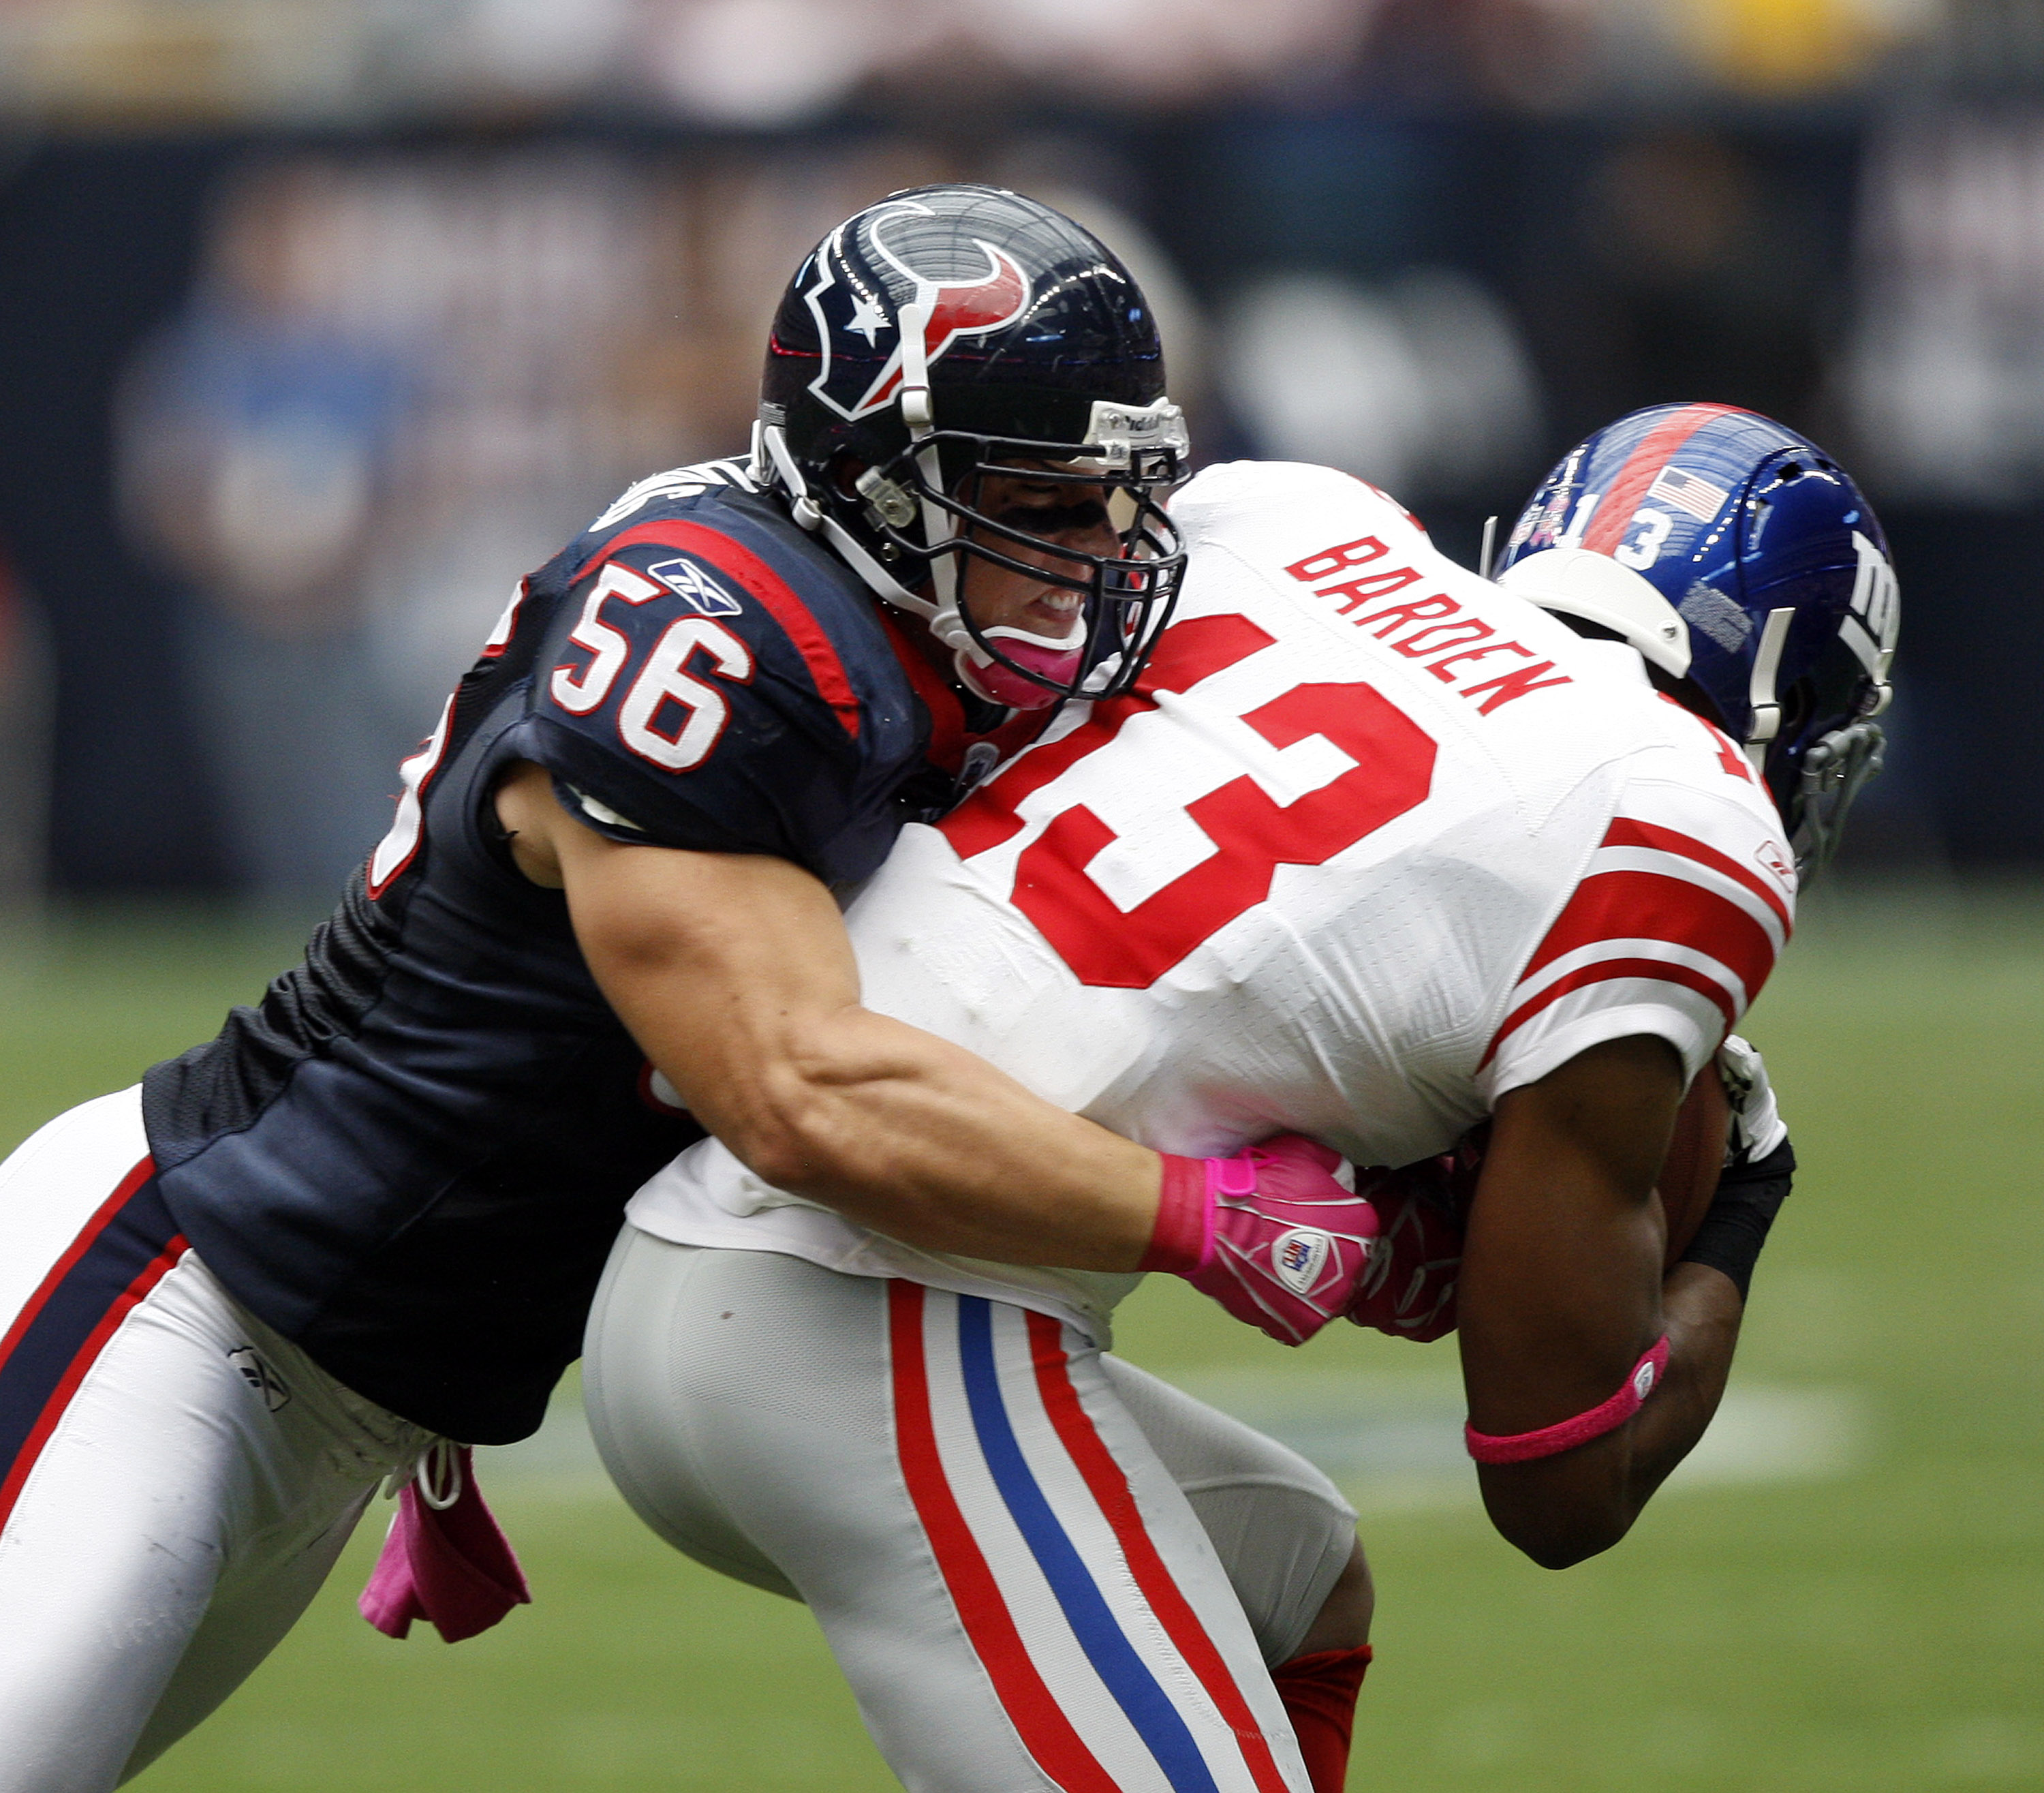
[[1578, 582]]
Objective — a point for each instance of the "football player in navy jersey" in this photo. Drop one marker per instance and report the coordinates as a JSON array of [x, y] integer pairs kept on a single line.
[[368, 1218]]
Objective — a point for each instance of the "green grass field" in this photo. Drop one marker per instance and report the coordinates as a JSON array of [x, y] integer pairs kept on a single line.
[[1854, 1599]]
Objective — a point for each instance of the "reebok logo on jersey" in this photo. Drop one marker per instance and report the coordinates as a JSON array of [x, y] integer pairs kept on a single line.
[[259, 1376], [1772, 855], [1299, 1257], [695, 588]]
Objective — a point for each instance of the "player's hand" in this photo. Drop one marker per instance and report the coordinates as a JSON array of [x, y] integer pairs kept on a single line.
[[1288, 1242], [1408, 1290], [1758, 1129], [1759, 1171]]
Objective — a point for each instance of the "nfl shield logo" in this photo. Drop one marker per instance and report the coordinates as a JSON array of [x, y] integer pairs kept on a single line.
[[1300, 1257]]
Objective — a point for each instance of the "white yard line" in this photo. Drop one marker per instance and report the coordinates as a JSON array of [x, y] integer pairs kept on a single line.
[[1393, 1443]]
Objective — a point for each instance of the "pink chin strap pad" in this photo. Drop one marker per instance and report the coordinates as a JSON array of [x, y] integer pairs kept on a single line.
[[1007, 686], [1607, 1416]]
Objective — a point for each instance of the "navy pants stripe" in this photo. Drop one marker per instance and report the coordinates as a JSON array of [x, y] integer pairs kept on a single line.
[[121, 1253]]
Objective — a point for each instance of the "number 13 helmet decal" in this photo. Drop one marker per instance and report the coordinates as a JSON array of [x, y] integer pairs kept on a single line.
[[950, 334], [1733, 552]]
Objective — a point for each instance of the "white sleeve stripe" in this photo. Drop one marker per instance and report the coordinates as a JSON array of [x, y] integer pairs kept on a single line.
[[1691, 1024], [1605, 982], [1668, 952], [1629, 994]]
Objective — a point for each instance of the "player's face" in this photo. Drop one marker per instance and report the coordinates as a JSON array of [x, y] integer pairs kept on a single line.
[[1070, 515]]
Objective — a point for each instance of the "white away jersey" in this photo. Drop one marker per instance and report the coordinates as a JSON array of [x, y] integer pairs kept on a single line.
[[1374, 842]]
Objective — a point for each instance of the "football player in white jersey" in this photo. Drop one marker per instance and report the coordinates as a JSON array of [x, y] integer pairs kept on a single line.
[[1377, 851]]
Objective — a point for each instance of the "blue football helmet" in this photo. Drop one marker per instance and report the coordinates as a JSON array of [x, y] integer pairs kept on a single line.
[[1744, 565], [946, 335]]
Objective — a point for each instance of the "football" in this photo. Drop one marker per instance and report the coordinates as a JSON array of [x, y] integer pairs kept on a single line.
[[1696, 1155]]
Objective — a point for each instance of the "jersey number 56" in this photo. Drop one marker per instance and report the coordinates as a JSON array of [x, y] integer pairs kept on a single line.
[[647, 722]]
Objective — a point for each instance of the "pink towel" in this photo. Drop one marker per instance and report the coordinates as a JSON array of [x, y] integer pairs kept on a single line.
[[452, 1566]]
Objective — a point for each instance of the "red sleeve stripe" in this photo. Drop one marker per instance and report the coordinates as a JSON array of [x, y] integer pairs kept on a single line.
[[1650, 971], [1621, 496], [1649, 905], [1650, 862], [1625, 832], [1654, 952], [773, 592]]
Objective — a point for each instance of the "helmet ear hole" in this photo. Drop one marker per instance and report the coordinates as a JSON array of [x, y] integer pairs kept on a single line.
[[1796, 707]]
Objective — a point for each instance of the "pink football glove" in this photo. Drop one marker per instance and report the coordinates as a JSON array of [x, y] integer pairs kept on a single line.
[[1408, 1290], [1269, 1234]]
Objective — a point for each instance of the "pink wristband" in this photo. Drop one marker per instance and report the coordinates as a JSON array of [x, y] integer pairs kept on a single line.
[[1182, 1241], [1607, 1416]]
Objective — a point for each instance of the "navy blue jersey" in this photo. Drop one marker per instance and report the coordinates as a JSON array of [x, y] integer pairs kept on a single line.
[[412, 1157]]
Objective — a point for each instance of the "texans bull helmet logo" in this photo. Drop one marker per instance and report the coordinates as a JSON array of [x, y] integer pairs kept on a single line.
[[863, 283]]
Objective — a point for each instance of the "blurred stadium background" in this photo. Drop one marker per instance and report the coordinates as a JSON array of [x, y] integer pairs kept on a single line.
[[320, 323]]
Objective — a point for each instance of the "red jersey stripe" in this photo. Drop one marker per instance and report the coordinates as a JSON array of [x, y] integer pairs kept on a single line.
[[1046, 1732], [1629, 905], [1110, 1487], [1658, 970], [1624, 831], [1621, 496], [88, 1353], [772, 591]]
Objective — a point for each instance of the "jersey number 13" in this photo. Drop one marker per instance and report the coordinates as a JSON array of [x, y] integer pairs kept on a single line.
[[1252, 834]]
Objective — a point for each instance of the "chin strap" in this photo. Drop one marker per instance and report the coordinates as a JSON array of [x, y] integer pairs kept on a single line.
[[1765, 706], [919, 413], [970, 661], [809, 515]]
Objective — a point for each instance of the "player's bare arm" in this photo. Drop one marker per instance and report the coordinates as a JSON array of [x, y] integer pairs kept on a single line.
[[1563, 1291], [734, 973]]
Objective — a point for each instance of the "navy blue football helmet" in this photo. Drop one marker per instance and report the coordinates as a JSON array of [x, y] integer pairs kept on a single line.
[[950, 333], [1742, 563]]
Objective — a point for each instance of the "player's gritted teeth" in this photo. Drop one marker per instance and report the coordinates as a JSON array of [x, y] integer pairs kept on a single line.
[[1058, 612], [1002, 598]]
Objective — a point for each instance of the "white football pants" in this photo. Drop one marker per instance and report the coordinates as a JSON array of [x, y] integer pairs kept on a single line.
[[1039, 1567], [175, 1479]]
